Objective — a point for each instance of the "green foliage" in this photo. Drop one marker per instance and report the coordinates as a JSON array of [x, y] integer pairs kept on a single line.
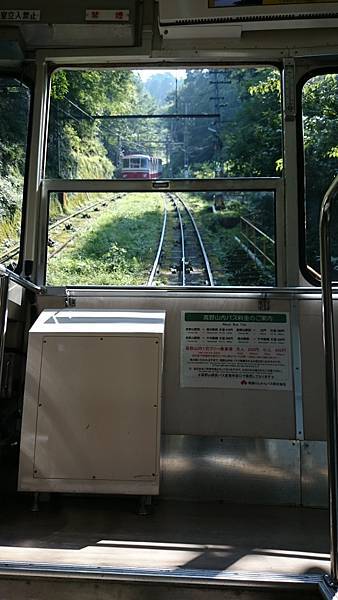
[[14, 113], [243, 138], [59, 86], [83, 146], [231, 264], [117, 249], [206, 170], [320, 131], [235, 206], [10, 196], [252, 144]]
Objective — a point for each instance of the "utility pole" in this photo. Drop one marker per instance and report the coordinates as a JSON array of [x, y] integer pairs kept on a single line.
[[218, 78], [185, 144]]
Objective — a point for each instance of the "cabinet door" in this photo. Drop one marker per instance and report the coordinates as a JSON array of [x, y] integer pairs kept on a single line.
[[98, 407]]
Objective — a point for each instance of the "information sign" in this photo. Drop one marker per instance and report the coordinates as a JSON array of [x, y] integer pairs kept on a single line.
[[19, 15], [250, 3], [116, 16], [244, 350]]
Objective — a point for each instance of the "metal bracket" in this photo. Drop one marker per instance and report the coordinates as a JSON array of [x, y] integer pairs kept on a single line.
[[264, 303], [328, 588], [70, 301], [289, 90], [297, 369]]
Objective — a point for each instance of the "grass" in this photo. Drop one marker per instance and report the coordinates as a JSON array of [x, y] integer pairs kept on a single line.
[[117, 249], [10, 232], [10, 228], [118, 246], [72, 202], [229, 262]]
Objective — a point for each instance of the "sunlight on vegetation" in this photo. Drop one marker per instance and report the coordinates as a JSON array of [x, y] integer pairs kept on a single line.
[[14, 112], [216, 123], [117, 249], [320, 130], [228, 122], [63, 204], [90, 132], [223, 238]]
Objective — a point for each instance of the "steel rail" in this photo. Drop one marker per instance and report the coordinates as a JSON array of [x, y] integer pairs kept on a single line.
[[67, 242], [64, 245], [198, 235], [73, 215], [183, 264], [330, 371], [14, 251], [10, 254], [160, 245]]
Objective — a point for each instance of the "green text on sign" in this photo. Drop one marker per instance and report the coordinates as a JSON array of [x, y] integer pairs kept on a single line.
[[236, 317]]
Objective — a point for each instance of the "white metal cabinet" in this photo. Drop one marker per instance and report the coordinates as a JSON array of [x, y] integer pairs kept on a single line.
[[91, 419]]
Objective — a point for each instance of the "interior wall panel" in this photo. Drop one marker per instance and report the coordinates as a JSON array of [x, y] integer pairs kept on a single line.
[[196, 411], [313, 370]]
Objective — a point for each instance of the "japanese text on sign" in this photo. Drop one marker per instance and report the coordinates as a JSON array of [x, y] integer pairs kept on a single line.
[[19, 15], [247, 350], [119, 16]]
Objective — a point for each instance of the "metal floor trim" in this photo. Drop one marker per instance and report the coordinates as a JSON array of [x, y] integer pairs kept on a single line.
[[191, 577]]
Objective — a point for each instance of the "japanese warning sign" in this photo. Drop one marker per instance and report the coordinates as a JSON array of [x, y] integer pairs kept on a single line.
[[246, 350]]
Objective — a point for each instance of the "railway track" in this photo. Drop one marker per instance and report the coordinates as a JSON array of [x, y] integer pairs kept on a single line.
[[181, 258], [14, 251], [63, 222]]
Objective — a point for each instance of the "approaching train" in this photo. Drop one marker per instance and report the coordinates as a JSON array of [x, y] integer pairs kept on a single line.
[[141, 166]]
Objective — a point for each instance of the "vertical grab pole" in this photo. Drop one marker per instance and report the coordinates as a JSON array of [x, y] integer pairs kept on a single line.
[[4, 283], [330, 372]]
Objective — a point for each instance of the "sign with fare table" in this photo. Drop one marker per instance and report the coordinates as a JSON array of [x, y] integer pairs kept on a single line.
[[243, 350]]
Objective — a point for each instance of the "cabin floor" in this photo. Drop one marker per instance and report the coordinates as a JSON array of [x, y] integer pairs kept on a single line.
[[108, 532]]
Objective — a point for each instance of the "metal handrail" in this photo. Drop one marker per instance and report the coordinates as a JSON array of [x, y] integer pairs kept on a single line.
[[5, 276], [4, 284], [252, 226], [330, 371], [25, 283]]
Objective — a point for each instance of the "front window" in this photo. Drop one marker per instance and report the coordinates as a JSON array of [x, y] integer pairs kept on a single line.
[[134, 163], [201, 123], [213, 136]]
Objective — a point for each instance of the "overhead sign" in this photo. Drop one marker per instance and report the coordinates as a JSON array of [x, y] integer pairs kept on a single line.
[[19, 15], [243, 350], [249, 3], [115, 16]]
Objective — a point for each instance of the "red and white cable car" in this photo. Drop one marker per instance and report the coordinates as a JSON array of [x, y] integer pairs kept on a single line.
[[141, 166]]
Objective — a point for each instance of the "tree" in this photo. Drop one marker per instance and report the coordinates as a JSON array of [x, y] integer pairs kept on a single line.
[[320, 132], [84, 141], [252, 140]]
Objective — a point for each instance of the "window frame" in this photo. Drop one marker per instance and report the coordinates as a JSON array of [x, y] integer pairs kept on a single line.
[[258, 184], [274, 184]]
